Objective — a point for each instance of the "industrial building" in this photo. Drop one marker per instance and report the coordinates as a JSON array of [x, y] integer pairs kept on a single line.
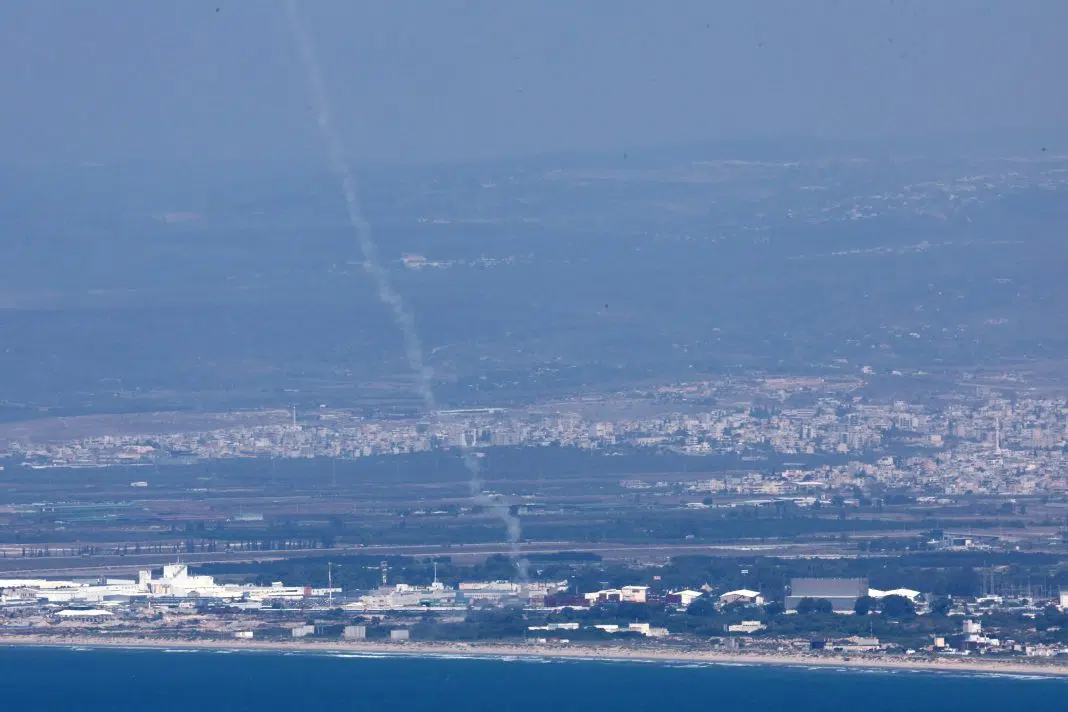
[[176, 582], [841, 593]]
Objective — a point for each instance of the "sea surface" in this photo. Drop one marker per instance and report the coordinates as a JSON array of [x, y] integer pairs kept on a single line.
[[85, 680]]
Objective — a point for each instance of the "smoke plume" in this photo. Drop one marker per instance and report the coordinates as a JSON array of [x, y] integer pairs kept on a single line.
[[386, 292]]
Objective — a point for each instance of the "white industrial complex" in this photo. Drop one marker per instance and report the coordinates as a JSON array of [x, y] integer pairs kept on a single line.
[[439, 596], [176, 582]]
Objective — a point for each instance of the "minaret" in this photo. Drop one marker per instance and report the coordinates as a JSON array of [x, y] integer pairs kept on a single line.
[[997, 435]]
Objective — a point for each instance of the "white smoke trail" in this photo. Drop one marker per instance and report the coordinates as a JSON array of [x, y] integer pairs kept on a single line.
[[386, 292]]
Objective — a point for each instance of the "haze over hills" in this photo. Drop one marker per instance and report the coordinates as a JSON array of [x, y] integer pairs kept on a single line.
[[219, 288]]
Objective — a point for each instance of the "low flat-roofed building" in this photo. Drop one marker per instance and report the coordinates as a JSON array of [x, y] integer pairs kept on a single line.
[[609, 595], [682, 598], [88, 615], [746, 627], [354, 632]]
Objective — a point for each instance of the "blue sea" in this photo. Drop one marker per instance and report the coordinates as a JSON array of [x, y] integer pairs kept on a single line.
[[43, 679]]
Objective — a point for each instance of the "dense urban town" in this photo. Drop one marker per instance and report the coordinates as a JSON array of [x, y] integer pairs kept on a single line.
[[989, 446]]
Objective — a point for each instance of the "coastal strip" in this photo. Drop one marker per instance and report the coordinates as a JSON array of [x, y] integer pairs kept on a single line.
[[610, 653]]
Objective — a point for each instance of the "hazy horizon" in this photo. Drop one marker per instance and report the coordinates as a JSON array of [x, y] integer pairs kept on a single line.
[[466, 81]]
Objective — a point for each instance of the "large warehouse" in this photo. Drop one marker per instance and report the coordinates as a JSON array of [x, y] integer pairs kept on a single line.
[[842, 593]]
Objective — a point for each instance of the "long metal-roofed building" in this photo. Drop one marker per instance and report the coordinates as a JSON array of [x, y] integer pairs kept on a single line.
[[842, 593]]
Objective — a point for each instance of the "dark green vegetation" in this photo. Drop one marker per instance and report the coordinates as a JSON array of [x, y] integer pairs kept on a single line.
[[560, 494], [937, 573]]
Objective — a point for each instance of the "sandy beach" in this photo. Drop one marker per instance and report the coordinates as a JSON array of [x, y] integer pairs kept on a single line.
[[572, 651]]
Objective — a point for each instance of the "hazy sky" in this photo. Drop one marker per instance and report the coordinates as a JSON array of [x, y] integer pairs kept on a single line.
[[442, 79]]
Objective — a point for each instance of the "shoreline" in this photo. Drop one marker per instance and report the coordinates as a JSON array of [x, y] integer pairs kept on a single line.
[[511, 651]]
